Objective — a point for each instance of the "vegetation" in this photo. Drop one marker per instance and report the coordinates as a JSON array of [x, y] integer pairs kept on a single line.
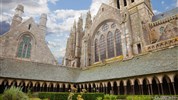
[[64, 96], [14, 93]]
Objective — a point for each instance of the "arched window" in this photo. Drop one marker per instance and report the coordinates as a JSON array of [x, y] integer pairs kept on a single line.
[[110, 45], [96, 51], [118, 4], [102, 46], [24, 49], [125, 3], [118, 42], [132, 1]]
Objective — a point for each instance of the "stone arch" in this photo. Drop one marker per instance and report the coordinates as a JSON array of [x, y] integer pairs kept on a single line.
[[101, 88], [129, 87], [37, 87], [63, 88], [115, 88], [94, 87], [90, 89], [121, 88], [155, 86], [167, 87], [22, 86], [4, 85], [109, 88], [57, 87], [69, 87], [14, 83], [146, 88], [25, 45], [176, 84], [137, 89], [44, 87], [51, 87]]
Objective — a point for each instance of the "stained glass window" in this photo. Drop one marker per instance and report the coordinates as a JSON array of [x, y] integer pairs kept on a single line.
[[96, 51], [110, 45], [118, 42], [24, 49], [102, 46], [105, 27]]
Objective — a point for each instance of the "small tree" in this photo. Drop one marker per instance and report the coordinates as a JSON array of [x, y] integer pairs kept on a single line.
[[14, 93]]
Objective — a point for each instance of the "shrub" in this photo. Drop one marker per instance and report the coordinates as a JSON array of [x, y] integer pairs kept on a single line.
[[141, 97], [0, 96], [121, 96], [14, 93], [64, 96], [110, 97]]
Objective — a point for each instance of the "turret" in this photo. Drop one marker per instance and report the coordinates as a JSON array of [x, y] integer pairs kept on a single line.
[[43, 20], [17, 18], [88, 21]]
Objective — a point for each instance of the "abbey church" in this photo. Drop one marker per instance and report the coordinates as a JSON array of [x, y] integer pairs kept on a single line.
[[124, 49]]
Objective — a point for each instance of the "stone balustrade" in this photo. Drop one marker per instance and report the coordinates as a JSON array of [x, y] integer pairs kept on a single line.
[[162, 44]]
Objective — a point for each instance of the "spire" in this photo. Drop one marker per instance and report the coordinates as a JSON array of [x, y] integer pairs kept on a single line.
[[80, 24], [88, 21]]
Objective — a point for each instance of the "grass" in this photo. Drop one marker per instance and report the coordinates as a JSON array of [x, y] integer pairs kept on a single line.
[[37, 99]]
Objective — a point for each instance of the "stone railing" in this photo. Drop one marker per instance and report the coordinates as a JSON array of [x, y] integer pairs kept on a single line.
[[162, 44]]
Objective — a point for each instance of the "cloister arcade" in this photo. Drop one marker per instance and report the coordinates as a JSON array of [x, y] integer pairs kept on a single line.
[[146, 85]]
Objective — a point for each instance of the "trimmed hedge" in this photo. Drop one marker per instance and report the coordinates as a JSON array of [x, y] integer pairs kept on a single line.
[[64, 96]]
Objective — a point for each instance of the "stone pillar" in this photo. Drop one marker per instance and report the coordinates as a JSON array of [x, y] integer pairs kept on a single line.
[[173, 86], [162, 90]]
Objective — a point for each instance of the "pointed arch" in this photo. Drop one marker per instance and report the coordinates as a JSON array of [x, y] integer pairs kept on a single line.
[[176, 84], [167, 85], [102, 46], [96, 51], [118, 42], [129, 87], [155, 86], [121, 88], [4, 85], [146, 88], [137, 89], [110, 44], [25, 45]]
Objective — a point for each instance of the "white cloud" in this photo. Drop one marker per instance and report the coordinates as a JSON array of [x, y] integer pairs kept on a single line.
[[162, 2], [156, 12], [96, 5]]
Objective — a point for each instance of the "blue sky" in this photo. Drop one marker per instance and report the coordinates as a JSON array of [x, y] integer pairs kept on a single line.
[[61, 15]]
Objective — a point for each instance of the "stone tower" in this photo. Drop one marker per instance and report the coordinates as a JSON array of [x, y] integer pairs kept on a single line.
[[17, 18], [134, 13], [42, 23], [86, 50]]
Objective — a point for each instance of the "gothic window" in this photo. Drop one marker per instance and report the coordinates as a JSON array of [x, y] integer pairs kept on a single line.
[[125, 2], [102, 46], [29, 26], [118, 4], [96, 51], [118, 42], [105, 27], [24, 49], [132, 1], [110, 45], [113, 25]]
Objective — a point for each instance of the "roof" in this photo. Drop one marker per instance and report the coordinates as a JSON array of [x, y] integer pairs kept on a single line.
[[36, 71], [151, 63], [156, 62], [165, 14]]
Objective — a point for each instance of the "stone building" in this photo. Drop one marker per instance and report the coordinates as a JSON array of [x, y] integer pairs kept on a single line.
[[125, 49], [26, 40]]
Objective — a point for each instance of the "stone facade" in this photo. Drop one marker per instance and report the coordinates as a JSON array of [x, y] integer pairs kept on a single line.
[[132, 19], [26, 40], [140, 58]]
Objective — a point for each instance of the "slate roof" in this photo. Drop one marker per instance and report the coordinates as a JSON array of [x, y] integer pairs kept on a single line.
[[165, 14], [153, 62], [36, 71]]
